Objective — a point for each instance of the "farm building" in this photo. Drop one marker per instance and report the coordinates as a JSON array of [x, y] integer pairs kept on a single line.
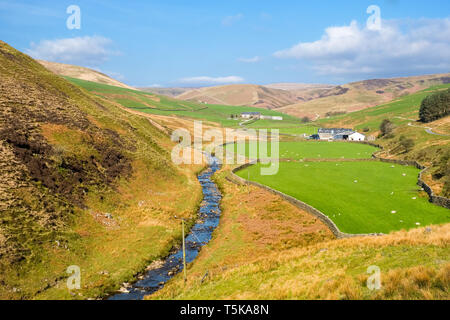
[[276, 118], [356, 137], [248, 115], [334, 133], [338, 134], [258, 115]]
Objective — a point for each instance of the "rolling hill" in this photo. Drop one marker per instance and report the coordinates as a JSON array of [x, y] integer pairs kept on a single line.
[[241, 95], [82, 182], [82, 73], [315, 100], [360, 95]]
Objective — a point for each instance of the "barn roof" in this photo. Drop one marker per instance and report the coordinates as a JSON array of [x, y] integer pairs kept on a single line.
[[336, 130]]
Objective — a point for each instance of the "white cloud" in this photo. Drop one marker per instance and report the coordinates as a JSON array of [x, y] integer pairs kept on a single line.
[[212, 80], [250, 60], [401, 46], [230, 20], [85, 51]]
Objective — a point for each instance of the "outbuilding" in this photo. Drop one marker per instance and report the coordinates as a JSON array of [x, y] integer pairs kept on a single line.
[[356, 137]]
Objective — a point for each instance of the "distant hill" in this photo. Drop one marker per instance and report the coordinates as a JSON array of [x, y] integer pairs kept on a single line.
[[360, 95], [315, 100], [242, 95], [169, 92], [82, 73]]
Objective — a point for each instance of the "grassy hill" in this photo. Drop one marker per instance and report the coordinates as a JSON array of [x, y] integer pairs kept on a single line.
[[241, 95], [82, 73], [82, 182], [161, 105], [360, 95]]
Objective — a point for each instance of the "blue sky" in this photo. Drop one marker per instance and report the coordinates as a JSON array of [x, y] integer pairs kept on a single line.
[[194, 43]]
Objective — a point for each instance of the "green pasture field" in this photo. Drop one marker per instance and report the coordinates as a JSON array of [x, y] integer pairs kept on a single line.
[[313, 150], [360, 197], [161, 105]]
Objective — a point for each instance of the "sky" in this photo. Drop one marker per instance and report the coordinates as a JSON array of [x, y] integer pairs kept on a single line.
[[203, 43]]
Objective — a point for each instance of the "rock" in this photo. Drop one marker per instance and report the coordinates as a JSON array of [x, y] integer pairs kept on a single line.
[[124, 290], [428, 230], [108, 216]]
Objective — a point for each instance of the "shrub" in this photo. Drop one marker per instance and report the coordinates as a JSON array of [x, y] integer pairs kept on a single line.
[[387, 128], [407, 143], [435, 106], [306, 120]]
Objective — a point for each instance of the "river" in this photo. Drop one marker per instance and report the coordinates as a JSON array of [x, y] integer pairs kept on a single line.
[[200, 235]]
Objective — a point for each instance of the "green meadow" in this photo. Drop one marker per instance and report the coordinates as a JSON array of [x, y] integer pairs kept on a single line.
[[360, 197], [311, 150], [161, 105]]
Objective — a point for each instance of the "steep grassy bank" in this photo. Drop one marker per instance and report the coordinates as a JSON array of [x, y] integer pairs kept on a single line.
[[259, 253], [82, 182]]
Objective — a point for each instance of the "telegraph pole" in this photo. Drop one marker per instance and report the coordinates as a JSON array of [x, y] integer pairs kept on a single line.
[[184, 252]]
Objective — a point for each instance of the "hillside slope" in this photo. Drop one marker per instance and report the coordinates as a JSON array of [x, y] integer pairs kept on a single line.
[[82, 73], [360, 95], [82, 182]]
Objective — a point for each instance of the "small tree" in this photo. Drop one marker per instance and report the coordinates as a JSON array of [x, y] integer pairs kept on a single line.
[[306, 120], [387, 128], [407, 143]]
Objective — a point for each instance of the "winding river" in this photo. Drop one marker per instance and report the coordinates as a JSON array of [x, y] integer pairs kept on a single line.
[[200, 235]]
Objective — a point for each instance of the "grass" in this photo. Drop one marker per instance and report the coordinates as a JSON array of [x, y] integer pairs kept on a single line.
[[254, 256], [399, 111], [360, 197], [161, 105], [313, 150], [48, 231], [403, 112]]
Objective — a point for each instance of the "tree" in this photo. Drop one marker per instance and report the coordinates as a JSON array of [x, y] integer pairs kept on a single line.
[[435, 106], [407, 143], [386, 128], [306, 120]]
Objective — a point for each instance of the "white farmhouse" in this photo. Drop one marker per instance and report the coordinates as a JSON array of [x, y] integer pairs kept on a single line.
[[356, 137], [276, 118]]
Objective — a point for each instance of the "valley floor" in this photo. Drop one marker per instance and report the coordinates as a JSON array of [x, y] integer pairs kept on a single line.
[[266, 248]]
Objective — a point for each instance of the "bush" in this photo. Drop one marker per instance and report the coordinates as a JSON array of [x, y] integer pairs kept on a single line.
[[407, 143], [387, 128], [306, 120], [435, 106]]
